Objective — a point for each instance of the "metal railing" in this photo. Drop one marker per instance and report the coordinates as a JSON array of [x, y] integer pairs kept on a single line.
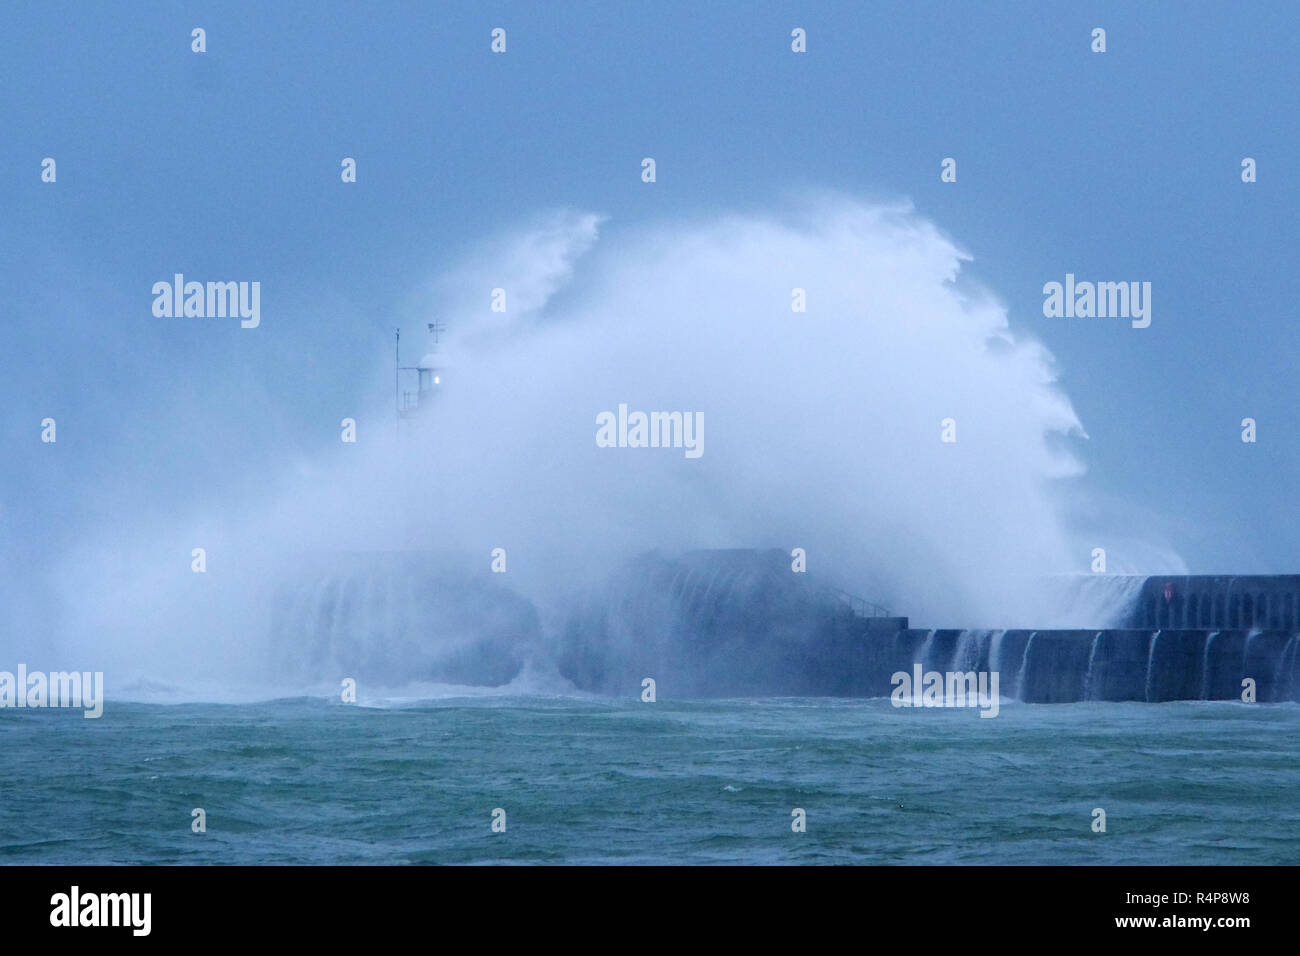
[[860, 606]]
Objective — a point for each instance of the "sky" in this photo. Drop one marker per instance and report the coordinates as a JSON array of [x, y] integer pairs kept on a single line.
[[225, 165]]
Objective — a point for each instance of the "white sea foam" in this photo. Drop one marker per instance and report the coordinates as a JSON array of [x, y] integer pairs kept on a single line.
[[825, 433]]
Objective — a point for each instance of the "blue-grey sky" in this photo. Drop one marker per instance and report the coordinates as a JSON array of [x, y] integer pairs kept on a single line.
[[225, 165]]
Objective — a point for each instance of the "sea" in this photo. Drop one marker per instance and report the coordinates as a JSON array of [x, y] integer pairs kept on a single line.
[[518, 779]]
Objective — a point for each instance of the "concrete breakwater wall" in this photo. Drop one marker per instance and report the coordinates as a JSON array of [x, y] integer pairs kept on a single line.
[[859, 658], [739, 624], [1212, 602]]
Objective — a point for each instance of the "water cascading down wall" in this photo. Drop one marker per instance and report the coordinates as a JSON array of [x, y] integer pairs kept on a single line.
[[738, 623]]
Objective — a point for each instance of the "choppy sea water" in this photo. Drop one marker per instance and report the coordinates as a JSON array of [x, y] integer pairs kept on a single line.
[[588, 781]]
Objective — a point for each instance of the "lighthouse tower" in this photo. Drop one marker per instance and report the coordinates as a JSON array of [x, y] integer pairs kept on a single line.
[[428, 377]]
